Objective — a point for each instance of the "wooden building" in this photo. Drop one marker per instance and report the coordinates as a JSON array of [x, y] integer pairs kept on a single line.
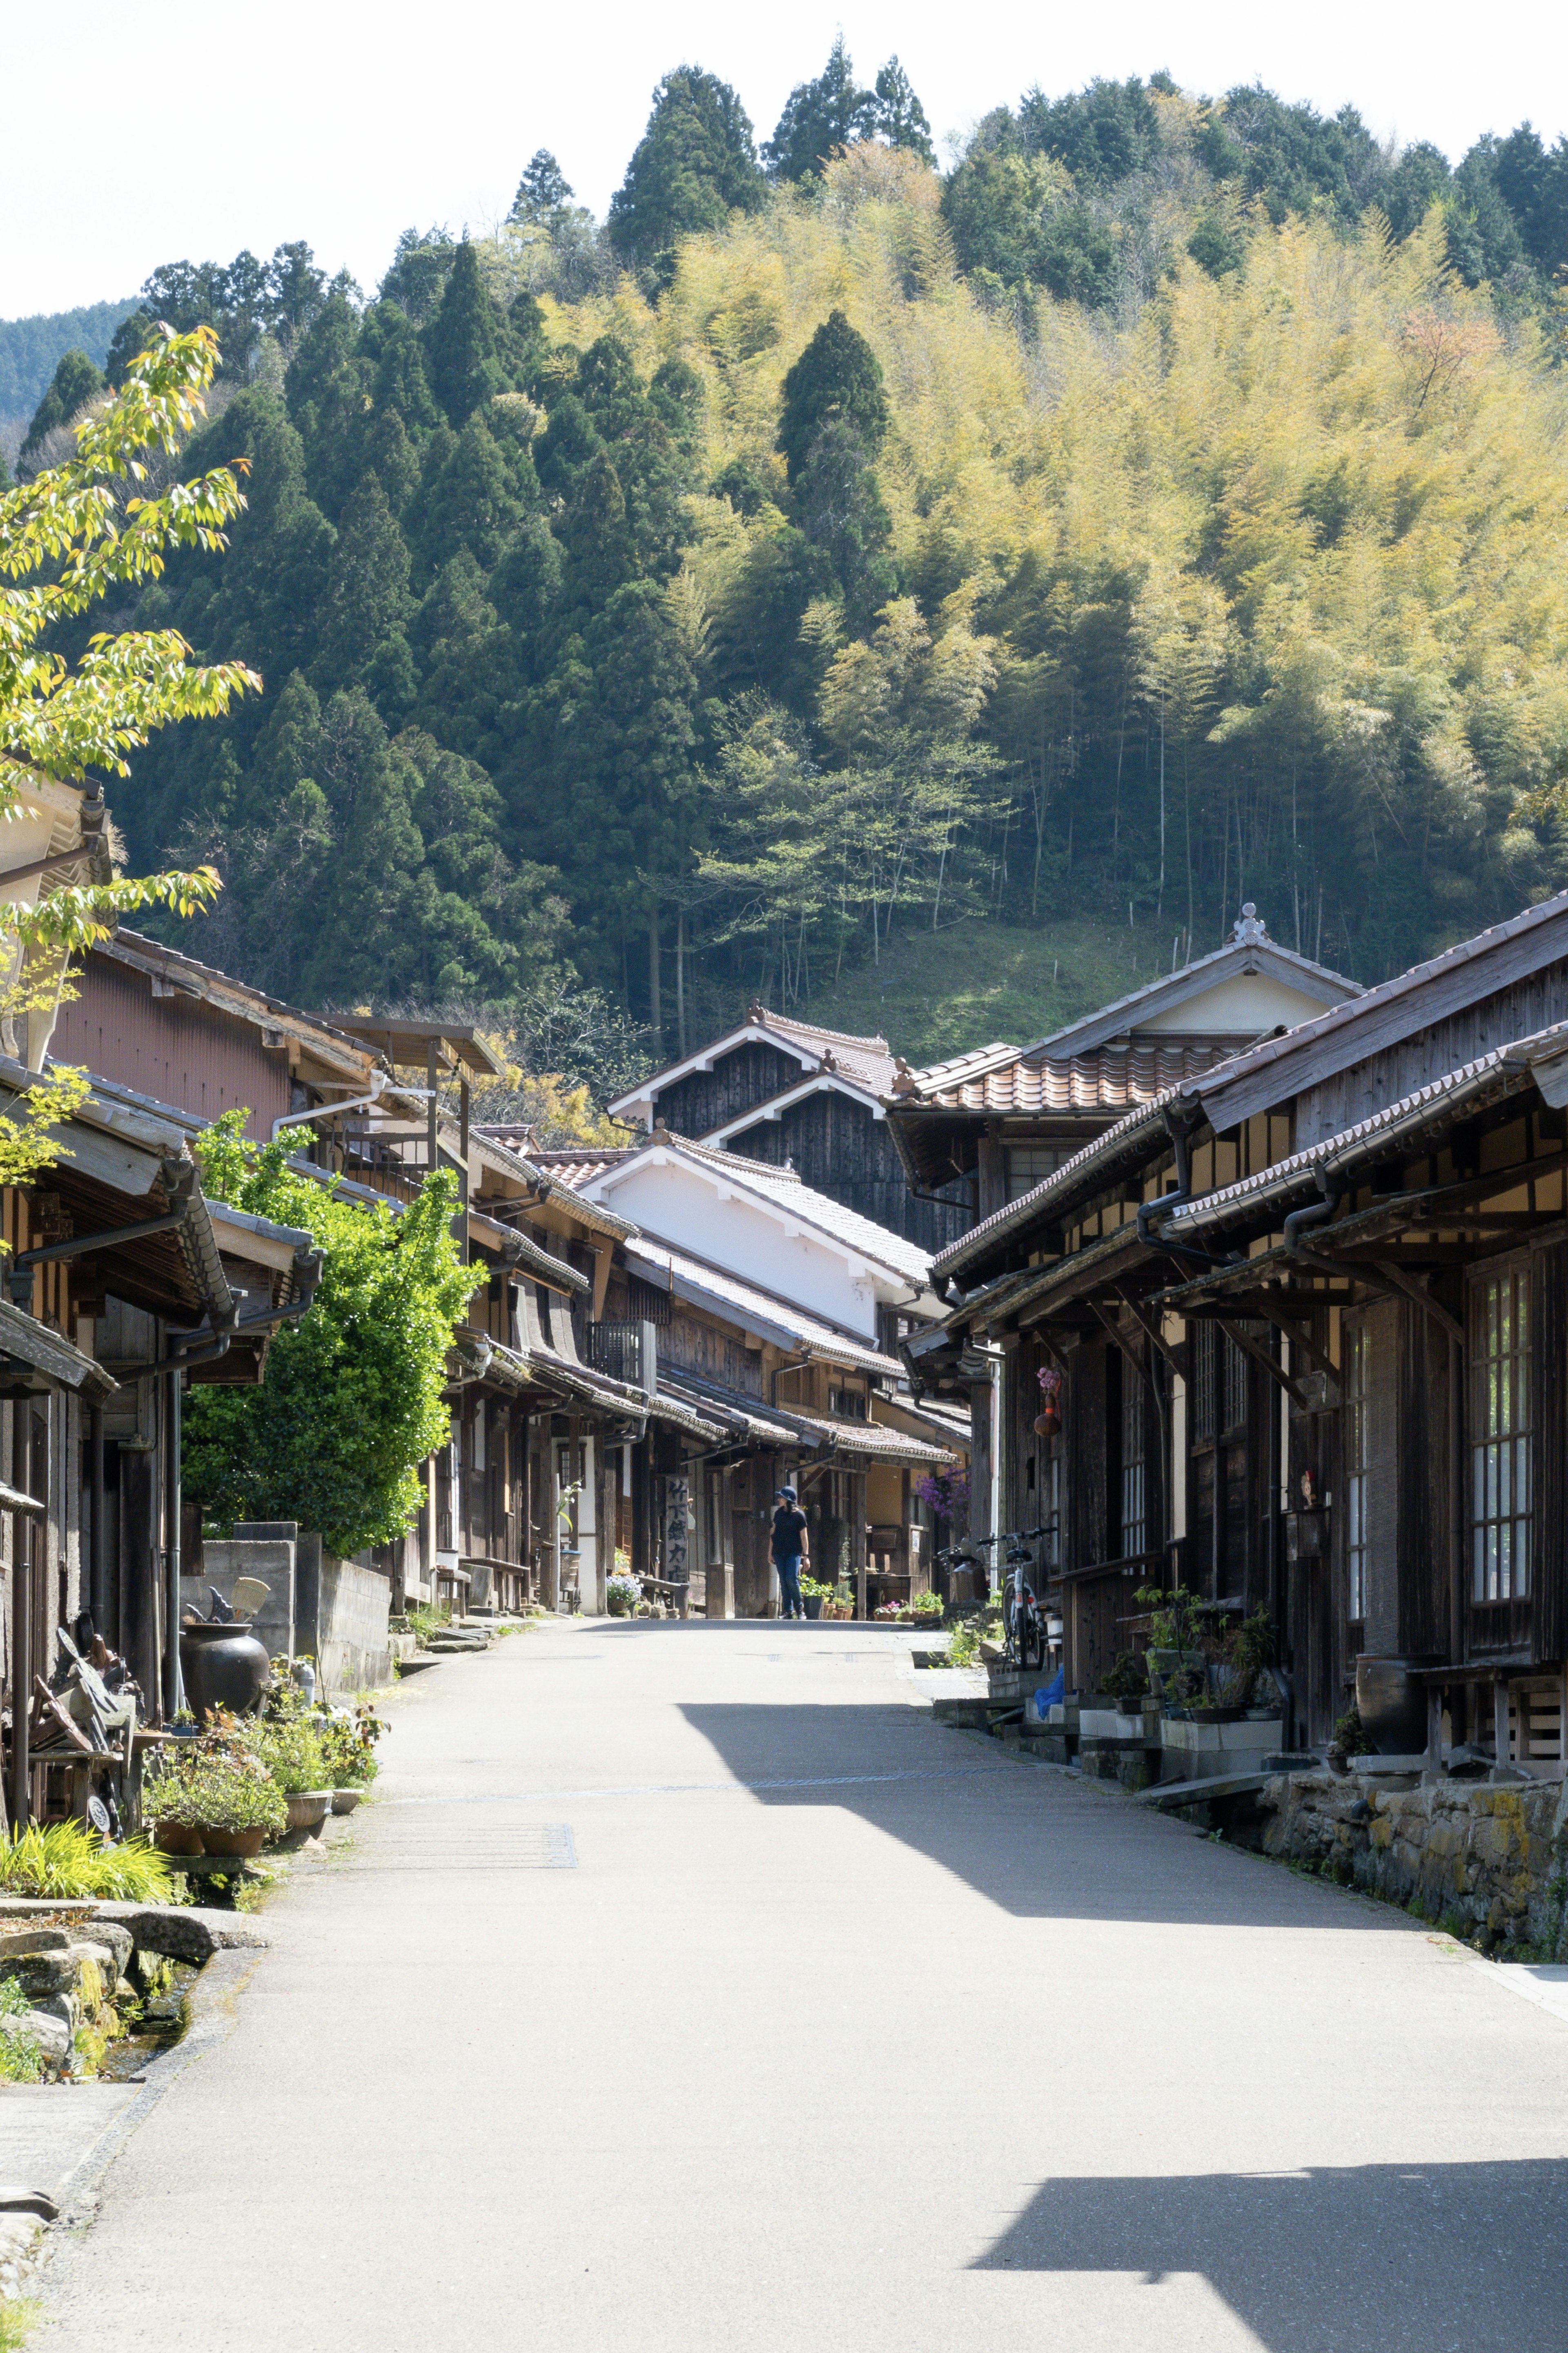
[[797, 1096], [761, 1306], [988, 1125], [1306, 1311]]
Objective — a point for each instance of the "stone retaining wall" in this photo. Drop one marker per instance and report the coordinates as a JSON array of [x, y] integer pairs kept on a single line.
[[1485, 1859]]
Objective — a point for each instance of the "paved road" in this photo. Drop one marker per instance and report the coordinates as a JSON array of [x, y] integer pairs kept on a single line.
[[691, 1991]]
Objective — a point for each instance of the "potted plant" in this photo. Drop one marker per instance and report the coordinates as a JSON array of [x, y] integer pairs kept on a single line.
[[213, 1797], [348, 1741], [622, 1593], [814, 1593]]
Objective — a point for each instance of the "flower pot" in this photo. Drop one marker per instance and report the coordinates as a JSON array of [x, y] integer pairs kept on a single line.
[[308, 1808], [240, 1844], [812, 1605], [1048, 1423], [179, 1838], [345, 1801], [222, 1666]]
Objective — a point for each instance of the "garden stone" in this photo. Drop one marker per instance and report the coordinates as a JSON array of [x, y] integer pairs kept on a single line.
[[182, 1932], [33, 1940], [52, 2036], [42, 1973]]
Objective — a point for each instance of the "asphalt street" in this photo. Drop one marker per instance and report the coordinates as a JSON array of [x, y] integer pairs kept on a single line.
[[689, 1989]]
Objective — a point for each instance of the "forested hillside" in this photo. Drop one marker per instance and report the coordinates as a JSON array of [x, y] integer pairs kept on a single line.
[[31, 349], [1164, 508]]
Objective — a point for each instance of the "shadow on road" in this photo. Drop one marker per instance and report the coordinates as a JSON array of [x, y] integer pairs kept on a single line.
[[1039, 1846], [1363, 2259]]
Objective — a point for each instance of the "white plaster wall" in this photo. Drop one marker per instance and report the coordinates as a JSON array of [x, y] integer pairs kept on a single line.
[[1244, 1005], [686, 1206]]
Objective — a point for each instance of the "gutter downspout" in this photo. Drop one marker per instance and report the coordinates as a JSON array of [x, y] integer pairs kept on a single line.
[[1180, 1131], [1332, 1184]]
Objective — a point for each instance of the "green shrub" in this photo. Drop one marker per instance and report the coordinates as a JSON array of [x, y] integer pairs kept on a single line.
[[291, 1752], [348, 1748], [220, 1781], [63, 1859]]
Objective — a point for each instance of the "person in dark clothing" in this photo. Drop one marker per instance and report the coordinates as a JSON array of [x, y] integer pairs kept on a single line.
[[792, 1552]]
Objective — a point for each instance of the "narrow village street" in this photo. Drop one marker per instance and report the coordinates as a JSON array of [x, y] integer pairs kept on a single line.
[[688, 1987]]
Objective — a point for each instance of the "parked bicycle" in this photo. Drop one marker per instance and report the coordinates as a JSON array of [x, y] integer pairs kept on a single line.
[[1023, 1620]]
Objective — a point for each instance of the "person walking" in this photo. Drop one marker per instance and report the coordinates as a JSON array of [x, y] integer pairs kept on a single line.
[[792, 1552]]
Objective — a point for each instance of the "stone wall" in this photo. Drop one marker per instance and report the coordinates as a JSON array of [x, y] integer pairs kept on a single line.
[[354, 1651], [1487, 1860]]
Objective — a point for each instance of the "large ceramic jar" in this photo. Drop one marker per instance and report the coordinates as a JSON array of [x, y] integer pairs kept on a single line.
[[222, 1666], [1392, 1702]]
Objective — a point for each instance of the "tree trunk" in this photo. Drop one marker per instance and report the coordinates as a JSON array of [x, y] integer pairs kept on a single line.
[[680, 982], [655, 1003]]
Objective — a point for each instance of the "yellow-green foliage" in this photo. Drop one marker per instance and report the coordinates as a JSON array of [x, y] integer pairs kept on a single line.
[[1317, 503], [65, 1860]]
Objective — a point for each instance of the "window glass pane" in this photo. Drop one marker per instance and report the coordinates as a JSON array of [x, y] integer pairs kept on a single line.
[[1500, 1435]]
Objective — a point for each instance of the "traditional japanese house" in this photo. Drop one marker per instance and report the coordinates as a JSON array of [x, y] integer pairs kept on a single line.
[[761, 1306], [795, 1095], [125, 1287], [1303, 1312], [986, 1126]]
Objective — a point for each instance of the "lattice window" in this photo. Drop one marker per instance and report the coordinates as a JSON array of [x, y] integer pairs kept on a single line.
[[1219, 1383], [1358, 1471], [1501, 1408], [1135, 1464], [1203, 1355]]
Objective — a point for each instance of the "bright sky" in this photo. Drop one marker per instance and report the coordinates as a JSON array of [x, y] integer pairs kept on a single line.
[[138, 131]]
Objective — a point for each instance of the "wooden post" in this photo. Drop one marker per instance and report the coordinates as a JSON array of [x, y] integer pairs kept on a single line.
[[432, 1139], [98, 1586], [21, 1625], [1500, 1721]]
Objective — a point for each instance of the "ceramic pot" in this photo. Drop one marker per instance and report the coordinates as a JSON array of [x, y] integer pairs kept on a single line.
[[1391, 1703], [345, 1801], [179, 1838], [308, 1809], [222, 1666], [1048, 1423], [240, 1844]]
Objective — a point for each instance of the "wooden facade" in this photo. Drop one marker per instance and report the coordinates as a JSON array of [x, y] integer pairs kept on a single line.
[[1339, 1351]]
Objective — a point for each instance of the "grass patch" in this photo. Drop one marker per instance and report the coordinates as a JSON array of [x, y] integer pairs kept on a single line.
[[65, 1860], [17, 2322], [940, 993]]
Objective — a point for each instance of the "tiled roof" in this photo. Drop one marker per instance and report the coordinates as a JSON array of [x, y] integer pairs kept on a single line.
[[1143, 1119], [816, 1209], [580, 1166], [868, 1060], [1105, 1080], [872, 1439], [753, 1307]]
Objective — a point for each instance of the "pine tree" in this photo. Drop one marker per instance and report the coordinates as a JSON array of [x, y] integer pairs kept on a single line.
[[367, 599], [818, 117], [76, 381], [837, 377], [285, 751], [695, 164], [542, 191], [595, 538], [897, 115], [475, 504], [462, 345]]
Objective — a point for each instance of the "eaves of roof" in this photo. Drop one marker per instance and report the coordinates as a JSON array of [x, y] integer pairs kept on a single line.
[[1268, 1073], [236, 996], [771, 1317], [1539, 1062], [1126, 1143]]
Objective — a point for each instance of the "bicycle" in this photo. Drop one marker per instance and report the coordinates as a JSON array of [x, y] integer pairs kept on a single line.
[[1024, 1638]]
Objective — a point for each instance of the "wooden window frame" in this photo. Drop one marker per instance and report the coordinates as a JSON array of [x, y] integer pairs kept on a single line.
[[1501, 1389]]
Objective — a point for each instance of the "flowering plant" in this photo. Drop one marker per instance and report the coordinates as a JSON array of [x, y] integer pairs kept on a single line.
[[622, 1593], [946, 1493], [1050, 1382]]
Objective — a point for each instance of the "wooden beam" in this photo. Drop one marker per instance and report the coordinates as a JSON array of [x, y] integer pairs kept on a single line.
[[1422, 1297], [1149, 1325], [1260, 1355]]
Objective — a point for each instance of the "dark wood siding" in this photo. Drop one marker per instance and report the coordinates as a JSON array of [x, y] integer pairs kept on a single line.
[[181, 1051], [739, 1080], [840, 1147], [1516, 1011]]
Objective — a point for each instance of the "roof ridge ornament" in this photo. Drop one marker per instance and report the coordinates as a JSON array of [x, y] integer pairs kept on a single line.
[[1249, 928]]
